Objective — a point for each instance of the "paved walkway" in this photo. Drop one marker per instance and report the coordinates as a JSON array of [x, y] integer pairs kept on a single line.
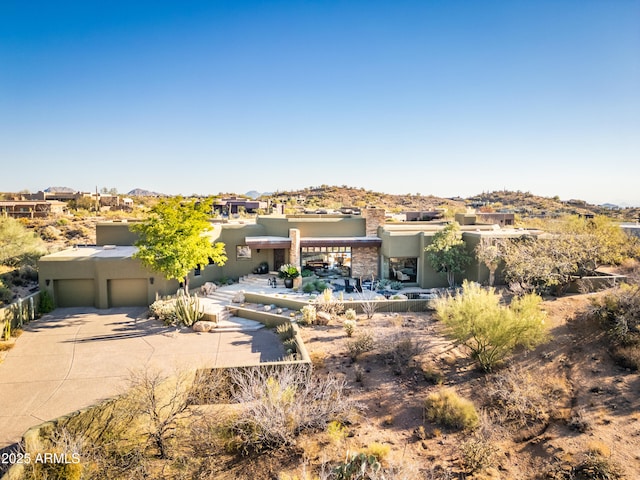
[[76, 357]]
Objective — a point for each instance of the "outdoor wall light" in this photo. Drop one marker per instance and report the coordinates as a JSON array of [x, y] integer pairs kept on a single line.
[[47, 281], [151, 280]]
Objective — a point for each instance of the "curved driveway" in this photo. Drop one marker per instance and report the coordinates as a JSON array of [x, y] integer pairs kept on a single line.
[[76, 357]]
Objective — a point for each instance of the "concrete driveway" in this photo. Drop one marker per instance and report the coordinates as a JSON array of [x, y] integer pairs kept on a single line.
[[76, 357]]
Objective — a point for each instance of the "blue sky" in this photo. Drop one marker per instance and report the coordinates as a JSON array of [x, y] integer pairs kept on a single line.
[[437, 97]]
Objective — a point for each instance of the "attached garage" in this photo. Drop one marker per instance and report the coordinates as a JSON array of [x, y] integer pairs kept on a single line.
[[76, 292], [127, 292]]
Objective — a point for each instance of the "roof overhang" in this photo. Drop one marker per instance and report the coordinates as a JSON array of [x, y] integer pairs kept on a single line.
[[340, 242], [268, 242]]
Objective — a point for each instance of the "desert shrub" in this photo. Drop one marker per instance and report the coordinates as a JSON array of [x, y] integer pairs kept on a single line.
[[45, 302], [350, 314], [280, 404], [349, 327], [290, 346], [491, 331], [50, 233], [318, 359], [447, 408], [328, 303], [378, 450], [521, 399], [211, 386], [309, 315], [164, 310], [360, 344], [316, 285], [431, 372], [163, 402], [596, 467], [29, 273], [477, 454], [402, 350], [285, 331], [5, 294], [579, 421], [60, 443], [336, 431], [627, 356]]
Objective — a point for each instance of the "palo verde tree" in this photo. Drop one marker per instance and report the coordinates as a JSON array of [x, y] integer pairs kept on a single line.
[[447, 253], [18, 245], [173, 241], [490, 330]]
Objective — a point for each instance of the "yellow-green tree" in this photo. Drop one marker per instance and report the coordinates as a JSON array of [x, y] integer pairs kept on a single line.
[[490, 330], [173, 241]]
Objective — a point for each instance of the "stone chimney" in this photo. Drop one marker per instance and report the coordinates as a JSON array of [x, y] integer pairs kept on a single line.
[[373, 217]]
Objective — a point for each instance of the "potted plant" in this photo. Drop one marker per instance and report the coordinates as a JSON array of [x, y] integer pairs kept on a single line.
[[288, 272]]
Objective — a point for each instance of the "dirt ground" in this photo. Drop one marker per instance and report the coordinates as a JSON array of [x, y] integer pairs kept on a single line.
[[596, 407]]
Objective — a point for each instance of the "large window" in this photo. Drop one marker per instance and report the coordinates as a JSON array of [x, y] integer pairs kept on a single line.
[[327, 260], [403, 269]]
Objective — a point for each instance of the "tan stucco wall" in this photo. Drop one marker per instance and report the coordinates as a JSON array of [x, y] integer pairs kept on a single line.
[[115, 233]]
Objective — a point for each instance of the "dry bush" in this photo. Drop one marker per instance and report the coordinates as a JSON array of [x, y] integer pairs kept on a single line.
[[596, 467], [579, 421], [210, 386], [163, 402], [478, 453], [521, 399], [447, 408], [318, 359], [362, 343], [401, 350], [281, 403], [627, 356], [432, 373]]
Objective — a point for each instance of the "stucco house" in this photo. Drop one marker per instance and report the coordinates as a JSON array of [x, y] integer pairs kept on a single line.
[[357, 246]]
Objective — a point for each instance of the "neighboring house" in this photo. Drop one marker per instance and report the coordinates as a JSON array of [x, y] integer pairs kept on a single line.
[[632, 229], [361, 247], [32, 209], [496, 218], [235, 205]]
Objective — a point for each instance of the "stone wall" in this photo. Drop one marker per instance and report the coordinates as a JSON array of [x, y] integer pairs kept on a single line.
[[365, 262], [294, 254]]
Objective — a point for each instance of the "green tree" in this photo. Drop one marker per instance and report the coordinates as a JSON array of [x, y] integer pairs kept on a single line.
[[490, 330], [173, 241], [488, 252], [573, 247], [18, 245], [447, 253]]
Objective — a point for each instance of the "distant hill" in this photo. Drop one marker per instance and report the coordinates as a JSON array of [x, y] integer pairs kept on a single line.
[[525, 204], [334, 197], [139, 192], [60, 190], [253, 194]]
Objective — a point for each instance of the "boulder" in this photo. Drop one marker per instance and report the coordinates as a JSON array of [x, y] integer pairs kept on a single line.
[[238, 297], [323, 318], [203, 326], [208, 288]]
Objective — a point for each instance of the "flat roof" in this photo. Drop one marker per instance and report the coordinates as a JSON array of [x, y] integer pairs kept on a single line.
[[266, 241], [340, 242], [93, 251]]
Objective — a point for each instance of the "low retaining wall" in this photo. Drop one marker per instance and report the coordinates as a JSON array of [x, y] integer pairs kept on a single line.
[[595, 283], [27, 303]]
